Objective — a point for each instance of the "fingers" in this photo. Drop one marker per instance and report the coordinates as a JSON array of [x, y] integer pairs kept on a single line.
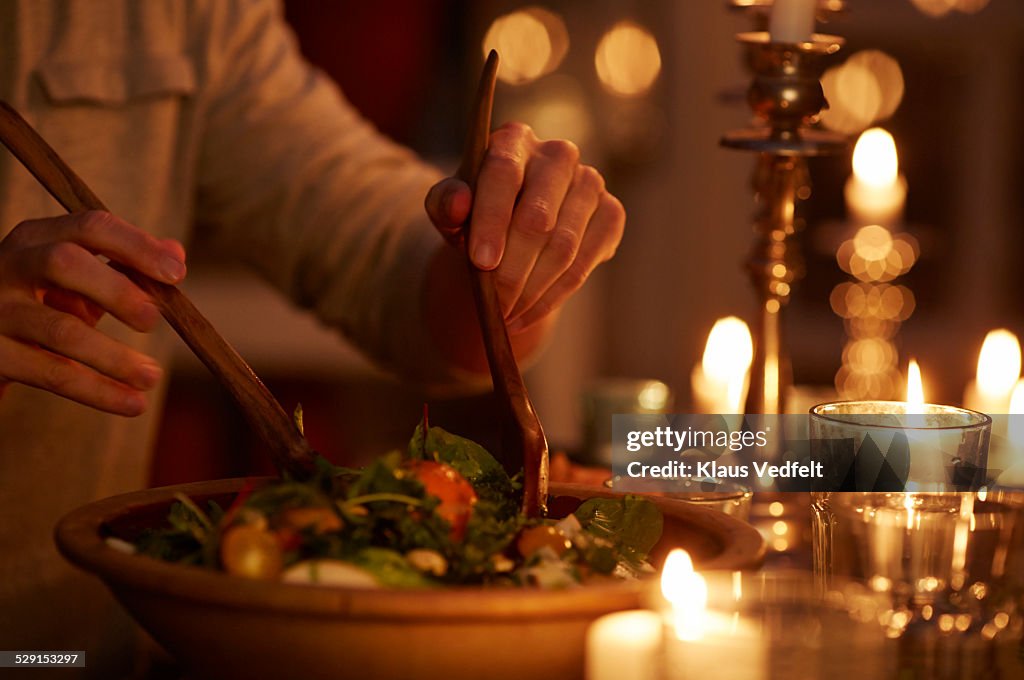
[[73, 303], [106, 234], [600, 240], [539, 218], [564, 241], [68, 336], [549, 173], [45, 370], [70, 267], [497, 186], [53, 290]]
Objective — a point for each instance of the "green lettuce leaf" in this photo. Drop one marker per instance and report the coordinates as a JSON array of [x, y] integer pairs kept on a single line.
[[391, 569]]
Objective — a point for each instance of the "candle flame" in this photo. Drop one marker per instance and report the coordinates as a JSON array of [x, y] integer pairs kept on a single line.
[[998, 363], [875, 161], [687, 593], [915, 388], [729, 350]]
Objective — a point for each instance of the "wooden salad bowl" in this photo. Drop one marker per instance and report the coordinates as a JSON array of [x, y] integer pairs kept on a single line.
[[220, 626]]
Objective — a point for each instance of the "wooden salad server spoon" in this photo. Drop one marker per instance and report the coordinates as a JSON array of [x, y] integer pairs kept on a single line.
[[522, 433]]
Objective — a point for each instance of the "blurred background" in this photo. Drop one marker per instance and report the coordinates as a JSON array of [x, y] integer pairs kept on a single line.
[[646, 89]]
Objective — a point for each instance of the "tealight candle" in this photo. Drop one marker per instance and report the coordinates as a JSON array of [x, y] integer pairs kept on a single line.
[[792, 21], [701, 644], [719, 383], [624, 646]]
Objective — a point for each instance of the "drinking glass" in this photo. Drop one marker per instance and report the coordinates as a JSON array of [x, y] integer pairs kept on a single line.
[[913, 520]]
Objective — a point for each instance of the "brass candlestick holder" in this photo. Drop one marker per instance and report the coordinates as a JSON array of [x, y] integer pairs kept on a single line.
[[786, 98]]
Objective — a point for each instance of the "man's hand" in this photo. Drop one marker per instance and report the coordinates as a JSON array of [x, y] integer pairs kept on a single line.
[[541, 219], [53, 291]]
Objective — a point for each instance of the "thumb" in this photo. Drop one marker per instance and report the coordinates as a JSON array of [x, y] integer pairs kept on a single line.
[[448, 204]]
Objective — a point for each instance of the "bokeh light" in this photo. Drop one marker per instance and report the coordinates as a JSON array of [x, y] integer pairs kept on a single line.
[[876, 255], [627, 59], [870, 355], [556, 108], [872, 242], [866, 88], [971, 6], [883, 385], [887, 74], [531, 42], [935, 8], [884, 302]]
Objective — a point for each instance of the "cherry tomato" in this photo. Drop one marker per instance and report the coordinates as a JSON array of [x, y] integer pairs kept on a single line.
[[533, 539], [457, 495], [251, 552]]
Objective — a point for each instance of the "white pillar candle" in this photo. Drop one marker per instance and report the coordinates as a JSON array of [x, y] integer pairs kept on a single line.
[[1011, 458], [700, 644], [999, 366], [727, 647], [792, 21], [625, 646]]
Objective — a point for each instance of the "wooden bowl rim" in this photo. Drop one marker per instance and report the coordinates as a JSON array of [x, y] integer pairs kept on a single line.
[[78, 536]]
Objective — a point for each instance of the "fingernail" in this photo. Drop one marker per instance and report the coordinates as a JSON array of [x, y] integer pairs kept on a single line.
[[134, 404], [151, 374], [485, 256], [172, 269]]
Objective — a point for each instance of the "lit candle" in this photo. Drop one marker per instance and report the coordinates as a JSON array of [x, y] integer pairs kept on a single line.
[[624, 646], [792, 21], [701, 644], [1015, 426], [720, 381], [997, 374], [1012, 460], [876, 192], [915, 395]]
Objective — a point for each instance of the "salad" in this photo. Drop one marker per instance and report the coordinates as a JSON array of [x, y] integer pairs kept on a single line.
[[442, 512]]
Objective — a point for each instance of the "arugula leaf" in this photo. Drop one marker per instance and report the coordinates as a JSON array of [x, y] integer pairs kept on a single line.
[[631, 524]]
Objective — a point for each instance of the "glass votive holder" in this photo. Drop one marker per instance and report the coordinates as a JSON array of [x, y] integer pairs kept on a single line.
[[896, 446], [724, 495], [732, 498], [604, 398], [916, 529]]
